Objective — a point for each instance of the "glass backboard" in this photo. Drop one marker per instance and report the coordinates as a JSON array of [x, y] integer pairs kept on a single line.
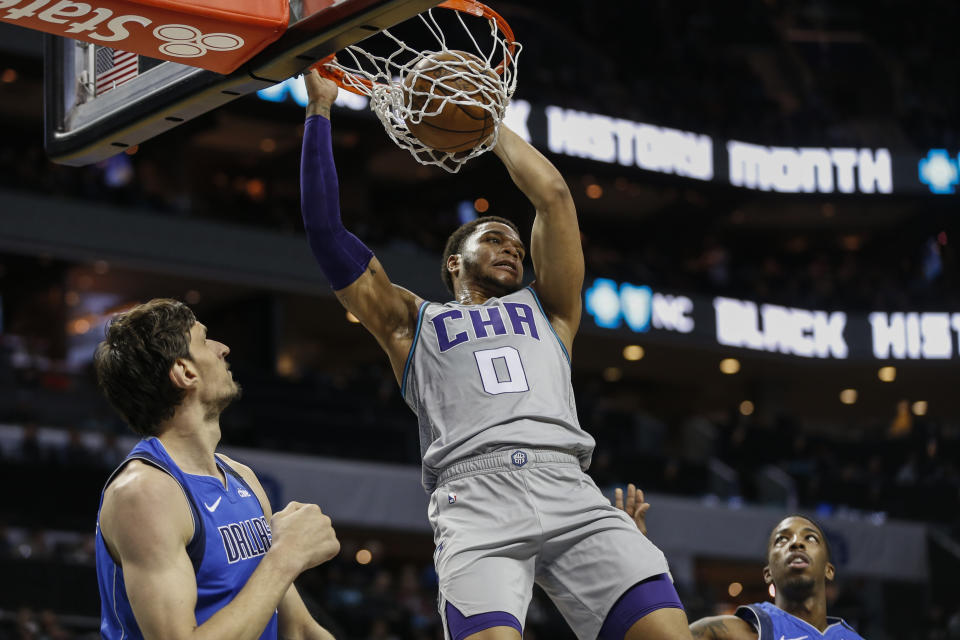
[[99, 101]]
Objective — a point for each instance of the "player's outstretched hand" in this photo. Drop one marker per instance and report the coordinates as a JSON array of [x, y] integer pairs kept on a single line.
[[321, 92], [304, 533], [635, 507]]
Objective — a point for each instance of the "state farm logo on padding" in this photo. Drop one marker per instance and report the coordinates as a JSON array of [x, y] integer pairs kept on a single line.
[[184, 41], [103, 25]]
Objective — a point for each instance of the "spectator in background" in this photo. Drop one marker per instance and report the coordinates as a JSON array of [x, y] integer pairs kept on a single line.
[[30, 451], [27, 626], [902, 422], [76, 452], [50, 628]]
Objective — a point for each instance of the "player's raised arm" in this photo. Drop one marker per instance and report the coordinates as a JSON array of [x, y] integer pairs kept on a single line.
[[555, 243], [389, 312]]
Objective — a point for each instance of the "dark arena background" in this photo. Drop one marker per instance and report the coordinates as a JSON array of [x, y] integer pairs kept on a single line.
[[767, 193]]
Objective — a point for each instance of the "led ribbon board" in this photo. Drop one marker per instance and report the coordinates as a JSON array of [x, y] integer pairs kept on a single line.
[[722, 322]]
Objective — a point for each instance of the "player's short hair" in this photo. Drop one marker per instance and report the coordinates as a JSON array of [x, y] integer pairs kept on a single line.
[[823, 536], [133, 362], [456, 239]]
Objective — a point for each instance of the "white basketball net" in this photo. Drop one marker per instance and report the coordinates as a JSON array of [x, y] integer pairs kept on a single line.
[[395, 104]]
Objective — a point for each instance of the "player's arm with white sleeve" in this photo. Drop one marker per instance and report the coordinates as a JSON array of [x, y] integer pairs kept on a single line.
[[358, 279], [146, 523], [555, 242]]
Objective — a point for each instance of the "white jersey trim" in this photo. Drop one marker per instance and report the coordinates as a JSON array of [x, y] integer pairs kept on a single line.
[[413, 346], [123, 632], [536, 299]]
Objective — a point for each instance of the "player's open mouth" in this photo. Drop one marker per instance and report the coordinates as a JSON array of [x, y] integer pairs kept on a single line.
[[506, 266], [798, 561]]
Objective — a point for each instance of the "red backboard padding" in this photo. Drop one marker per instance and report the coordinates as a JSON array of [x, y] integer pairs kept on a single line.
[[218, 35]]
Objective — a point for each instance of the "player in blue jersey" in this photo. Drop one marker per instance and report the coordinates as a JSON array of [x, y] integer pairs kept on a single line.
[[186, 545], [798, 566], [488, 376]]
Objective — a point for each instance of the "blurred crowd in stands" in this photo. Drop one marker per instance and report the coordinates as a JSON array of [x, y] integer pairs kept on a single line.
[[906, 467], [865, 271], [902, 467], [784, 73], [702, 248], [28, 624], [775, 72], [46, 559]]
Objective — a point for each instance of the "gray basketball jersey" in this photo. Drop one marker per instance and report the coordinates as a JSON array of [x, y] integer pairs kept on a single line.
[[487, 377]]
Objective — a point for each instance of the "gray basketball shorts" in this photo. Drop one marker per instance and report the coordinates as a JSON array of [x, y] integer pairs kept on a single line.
[[504, 520]]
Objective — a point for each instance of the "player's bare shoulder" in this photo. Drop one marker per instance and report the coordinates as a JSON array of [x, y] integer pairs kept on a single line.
[[143, 498], [138, 483], [722, 628]]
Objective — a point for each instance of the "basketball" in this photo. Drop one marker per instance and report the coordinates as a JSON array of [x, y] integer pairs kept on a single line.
[[457, 126]]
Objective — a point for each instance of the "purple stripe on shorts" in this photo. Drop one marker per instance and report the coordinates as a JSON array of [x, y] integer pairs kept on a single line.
[[642, 598], [462, 626]]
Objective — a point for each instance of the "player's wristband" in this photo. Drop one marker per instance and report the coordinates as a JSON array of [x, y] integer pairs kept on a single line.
[[342, 256]]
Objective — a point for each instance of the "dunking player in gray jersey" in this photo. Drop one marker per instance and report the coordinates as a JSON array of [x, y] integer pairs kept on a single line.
[[489, 379]]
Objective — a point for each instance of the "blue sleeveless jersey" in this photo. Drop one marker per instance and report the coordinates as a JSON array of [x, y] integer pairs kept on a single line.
[[773, 623], [230, 537]]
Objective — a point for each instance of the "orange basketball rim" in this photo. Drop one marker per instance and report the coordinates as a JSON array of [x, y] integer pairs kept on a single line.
[[353, 82]]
